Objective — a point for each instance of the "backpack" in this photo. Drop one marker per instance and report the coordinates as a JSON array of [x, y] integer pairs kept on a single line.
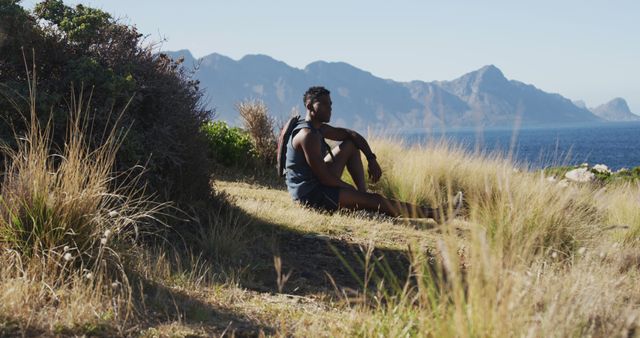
[[283, 140]]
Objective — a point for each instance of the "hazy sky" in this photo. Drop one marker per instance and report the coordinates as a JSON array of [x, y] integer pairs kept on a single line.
[[584, 50]]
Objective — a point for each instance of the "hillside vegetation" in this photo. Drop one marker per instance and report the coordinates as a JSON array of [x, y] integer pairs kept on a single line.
[[531, 257], [119, 216]]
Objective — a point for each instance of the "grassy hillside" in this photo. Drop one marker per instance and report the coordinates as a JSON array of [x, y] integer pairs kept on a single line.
[[530, 257], [114, 223], [117, 219]]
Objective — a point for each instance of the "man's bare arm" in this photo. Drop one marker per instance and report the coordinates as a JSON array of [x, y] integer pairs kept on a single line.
[[311, 145], [342, 134]]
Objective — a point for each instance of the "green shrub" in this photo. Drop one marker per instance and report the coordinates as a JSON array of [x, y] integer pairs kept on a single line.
[[626, 175], [604, 177], [228, 146]]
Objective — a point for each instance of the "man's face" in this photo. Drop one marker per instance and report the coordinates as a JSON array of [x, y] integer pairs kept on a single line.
[[321, 108]]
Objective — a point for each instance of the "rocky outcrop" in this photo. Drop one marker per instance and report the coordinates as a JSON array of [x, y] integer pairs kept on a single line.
[[616, 110]]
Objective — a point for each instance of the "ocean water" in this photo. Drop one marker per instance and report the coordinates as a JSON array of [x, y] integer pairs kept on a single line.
[[615, 144]]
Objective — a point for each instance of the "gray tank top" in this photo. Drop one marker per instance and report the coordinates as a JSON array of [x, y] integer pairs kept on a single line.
[[299, 177]]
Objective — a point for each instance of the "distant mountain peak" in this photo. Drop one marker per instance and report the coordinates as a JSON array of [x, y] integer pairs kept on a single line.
[[619, 102], [615, 110], [214, 60], [334, 65], [491, 73], [616, 103], [482, 97], [341, 69], [217, 56], [486, 79], [257, 57], [490, 68], [487, 75], [260, 60]]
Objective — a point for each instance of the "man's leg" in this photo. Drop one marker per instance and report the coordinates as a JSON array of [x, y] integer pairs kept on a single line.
[[347, 154], [357, 200]]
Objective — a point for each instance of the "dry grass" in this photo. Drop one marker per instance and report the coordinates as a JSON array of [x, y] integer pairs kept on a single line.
[[537, 258], [35, 297], [531, 258], [66, 229], [522, 213], [272, 206], [260, 126], [620, 204]]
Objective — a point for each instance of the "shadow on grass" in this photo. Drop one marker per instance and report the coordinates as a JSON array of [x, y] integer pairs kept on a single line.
[[313, 264], [14, 328], [164, 305], [161, 306], [262, 177]]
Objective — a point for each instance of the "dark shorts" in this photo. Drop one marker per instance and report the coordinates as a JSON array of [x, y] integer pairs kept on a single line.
[[322, 197]]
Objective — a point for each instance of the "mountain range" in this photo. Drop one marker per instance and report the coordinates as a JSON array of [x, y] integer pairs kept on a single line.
[[361, 100]]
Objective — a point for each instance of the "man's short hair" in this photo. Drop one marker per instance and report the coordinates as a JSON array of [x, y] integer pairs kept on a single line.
[[313, 94]]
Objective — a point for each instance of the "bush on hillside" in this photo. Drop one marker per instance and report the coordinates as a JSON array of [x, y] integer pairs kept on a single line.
[[602, 174], [87, 49], [231, 147]]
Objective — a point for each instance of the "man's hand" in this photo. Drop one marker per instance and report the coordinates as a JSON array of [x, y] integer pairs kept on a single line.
[[375, 172], [341, 134]]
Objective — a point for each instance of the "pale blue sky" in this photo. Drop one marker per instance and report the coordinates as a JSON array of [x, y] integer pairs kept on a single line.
[[585, 50]]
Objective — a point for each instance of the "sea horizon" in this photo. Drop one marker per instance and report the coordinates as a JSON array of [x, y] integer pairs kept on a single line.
[[615, 144]]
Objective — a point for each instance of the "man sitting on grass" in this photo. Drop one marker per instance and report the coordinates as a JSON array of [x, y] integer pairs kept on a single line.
[[313, 175]]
